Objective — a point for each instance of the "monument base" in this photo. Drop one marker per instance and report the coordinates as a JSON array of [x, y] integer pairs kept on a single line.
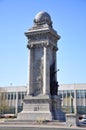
[[41, 107], [36, 108]]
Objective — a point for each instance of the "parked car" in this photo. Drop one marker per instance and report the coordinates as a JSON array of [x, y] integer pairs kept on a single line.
[[83, 122], [83, 119]]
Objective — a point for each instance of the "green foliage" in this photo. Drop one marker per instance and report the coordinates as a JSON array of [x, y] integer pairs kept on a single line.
[[3, 101]]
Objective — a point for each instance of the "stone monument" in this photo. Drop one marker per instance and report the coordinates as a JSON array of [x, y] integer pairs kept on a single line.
[[42, 100]]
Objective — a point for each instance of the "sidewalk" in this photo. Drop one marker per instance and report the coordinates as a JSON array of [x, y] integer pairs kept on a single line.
[[16, 123]]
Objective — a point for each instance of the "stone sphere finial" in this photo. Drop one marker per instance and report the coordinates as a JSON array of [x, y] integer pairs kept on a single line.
[[43, 18]]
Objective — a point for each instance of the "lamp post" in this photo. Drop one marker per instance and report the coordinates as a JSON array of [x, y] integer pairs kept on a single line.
[[16, 104]]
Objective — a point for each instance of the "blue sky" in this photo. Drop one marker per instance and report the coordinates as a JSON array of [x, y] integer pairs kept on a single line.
[[69, 20]]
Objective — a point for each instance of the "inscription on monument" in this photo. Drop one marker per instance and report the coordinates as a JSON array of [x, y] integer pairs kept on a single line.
[[36, 108]]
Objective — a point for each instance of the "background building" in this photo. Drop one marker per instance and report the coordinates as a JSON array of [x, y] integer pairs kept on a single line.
[[73, 98], [14, 96]]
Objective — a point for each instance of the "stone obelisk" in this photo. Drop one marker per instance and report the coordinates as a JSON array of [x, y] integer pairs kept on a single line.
[[42, 101]]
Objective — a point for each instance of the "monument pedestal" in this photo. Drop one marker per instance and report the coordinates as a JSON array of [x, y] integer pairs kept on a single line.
[[36, 108], [41, 107]]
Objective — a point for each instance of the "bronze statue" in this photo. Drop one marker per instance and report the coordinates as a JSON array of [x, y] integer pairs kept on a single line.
[[53, 83]]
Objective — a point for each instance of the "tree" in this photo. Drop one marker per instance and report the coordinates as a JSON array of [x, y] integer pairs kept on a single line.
[[3, 101]]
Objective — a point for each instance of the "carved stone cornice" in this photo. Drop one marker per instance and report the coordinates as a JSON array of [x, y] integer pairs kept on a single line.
[[44, 36], [37, 37], [38, 44], [41, 33]]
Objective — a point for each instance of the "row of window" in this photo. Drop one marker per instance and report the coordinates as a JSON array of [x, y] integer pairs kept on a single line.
[[11, 110], [13, 95], [66, 93], [81, 93], [61, 93], [69, 109], [70, 93]]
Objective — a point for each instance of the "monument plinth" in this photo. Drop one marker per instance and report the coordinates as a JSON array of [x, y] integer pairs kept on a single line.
[[42, 99]]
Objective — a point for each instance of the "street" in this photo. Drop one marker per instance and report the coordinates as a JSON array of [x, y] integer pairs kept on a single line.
[[37, 128]]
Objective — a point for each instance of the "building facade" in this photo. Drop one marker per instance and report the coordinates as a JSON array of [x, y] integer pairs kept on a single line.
[[73, 98], [13, 97]]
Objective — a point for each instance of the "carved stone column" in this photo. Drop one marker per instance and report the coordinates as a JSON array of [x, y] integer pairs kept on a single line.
[[30, 80], [46, 86]]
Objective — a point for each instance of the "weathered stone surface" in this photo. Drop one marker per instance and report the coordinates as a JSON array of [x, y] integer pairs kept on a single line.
[[36, 108], [43, 18], [42, 89]]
